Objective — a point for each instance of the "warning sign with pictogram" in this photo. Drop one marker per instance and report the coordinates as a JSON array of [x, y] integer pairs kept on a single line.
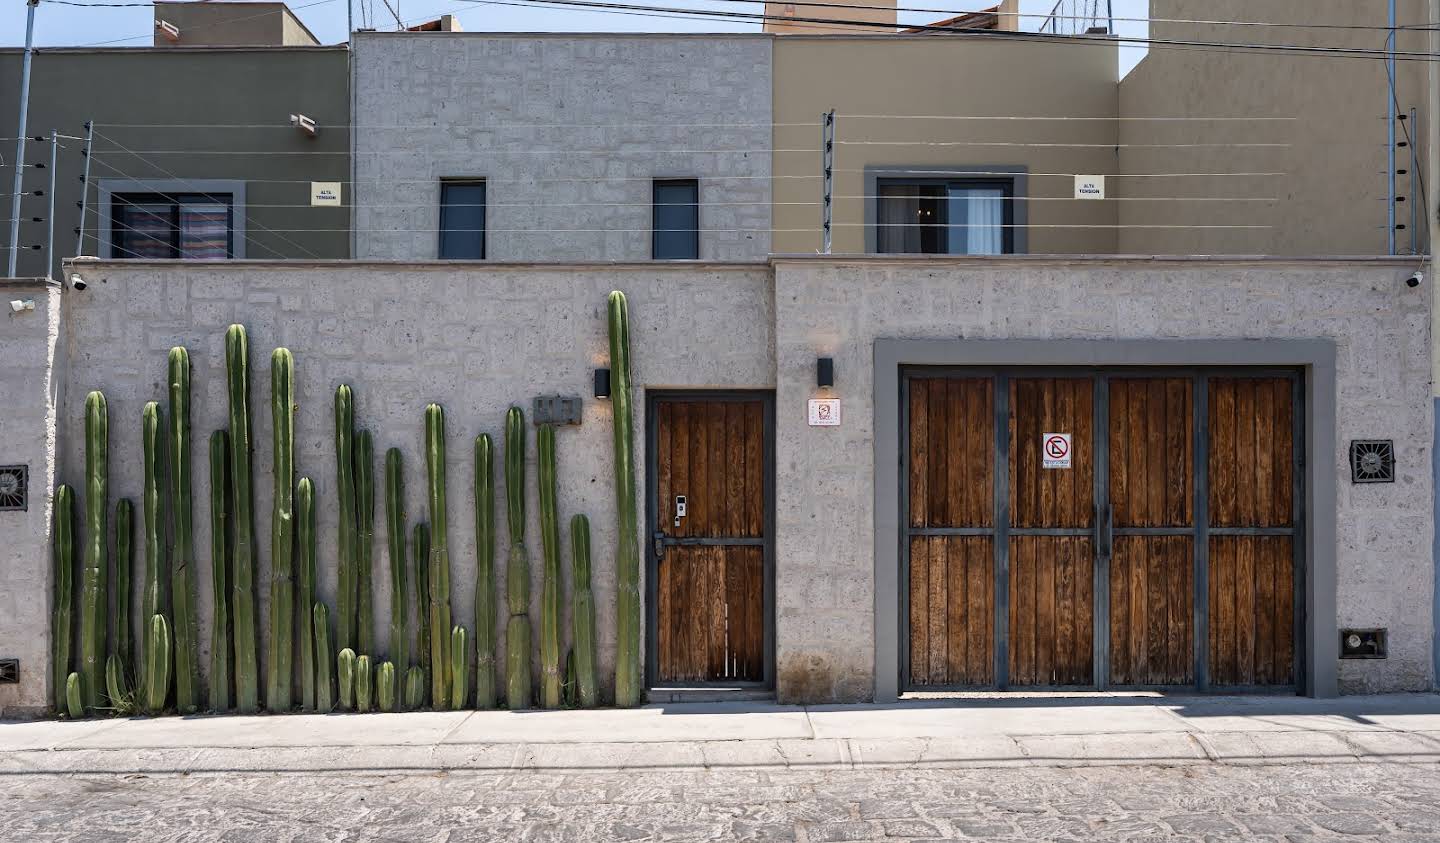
[[1055, 450]]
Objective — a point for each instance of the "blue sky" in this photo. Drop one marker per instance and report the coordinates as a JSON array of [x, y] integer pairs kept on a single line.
[[57, 25]]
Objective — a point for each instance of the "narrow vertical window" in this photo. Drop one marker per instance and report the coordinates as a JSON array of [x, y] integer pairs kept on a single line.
[[677, 220], [462, 219]]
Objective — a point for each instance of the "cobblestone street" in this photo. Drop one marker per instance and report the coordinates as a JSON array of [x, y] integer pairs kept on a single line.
[[1193, 803]]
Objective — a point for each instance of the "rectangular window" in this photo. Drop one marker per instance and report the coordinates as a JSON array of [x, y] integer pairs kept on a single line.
[[462, 219], [676, 220], [940, 216], [188, 226]]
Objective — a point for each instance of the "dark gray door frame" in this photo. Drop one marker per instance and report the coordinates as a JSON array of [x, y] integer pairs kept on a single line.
[[1316, 648], [654, 397]]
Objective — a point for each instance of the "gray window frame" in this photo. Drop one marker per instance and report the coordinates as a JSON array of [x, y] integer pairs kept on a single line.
[[484, 215], [1017, 174], [108, 188], [655, 232]]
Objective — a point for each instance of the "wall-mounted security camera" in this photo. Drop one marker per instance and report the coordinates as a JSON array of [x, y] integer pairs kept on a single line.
[[76, 281], [1415, 280]]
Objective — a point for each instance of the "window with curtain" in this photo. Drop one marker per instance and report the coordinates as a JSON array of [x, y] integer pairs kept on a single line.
[[676, 220], [944, 216], [188, 226], [462, 219]]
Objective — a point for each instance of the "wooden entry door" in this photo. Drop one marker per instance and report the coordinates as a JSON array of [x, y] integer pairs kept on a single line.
[[710, 552]]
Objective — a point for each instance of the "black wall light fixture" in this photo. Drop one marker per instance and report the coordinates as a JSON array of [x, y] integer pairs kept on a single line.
[[825, 372], [602, 383]]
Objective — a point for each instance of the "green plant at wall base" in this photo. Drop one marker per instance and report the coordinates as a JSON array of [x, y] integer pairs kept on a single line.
[[484, 572], [345, 671], [385, 691], [279, 695], [365, 541], [305, 598], [94, 602], [74, 702], [458, 668], [157, 665], [182, 559], [345, 608], [122, 637], [627, 552], [550, 585], [439, 557], [244, 611], [324, 660], [221, 680], [517, 567], [152, 598], [364, 685], [421, 552], [582, 614], [567, 689], [395, 539], [414, 688], [63, 596], [117, 687]]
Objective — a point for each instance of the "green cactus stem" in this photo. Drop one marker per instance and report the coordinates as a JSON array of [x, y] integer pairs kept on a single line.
[[345, 670], [324, 660], [568, 692], [94, 600], [221, 680], [582, 614], [458, 668], [365, 541], [63, 595], [305, 537], [157, 665], [74, 702], [280, 668], [244, 610], [117, 689], [439, 557], [152, 598], [484, 572], [414, 688], [122, 636], [345, 608], [627, 552], [517, 567], [421, 552], [395, 536], [385, 692], [186, 627], [550, 585], [364, 685]]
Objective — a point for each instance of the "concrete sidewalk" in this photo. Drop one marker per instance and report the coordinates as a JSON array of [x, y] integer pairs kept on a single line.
[[971, 731]]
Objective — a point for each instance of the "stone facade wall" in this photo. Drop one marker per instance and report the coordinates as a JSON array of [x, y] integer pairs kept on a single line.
[[568, 132]]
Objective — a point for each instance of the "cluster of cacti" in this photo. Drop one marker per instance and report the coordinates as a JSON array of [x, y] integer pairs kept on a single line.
[[279, 667], [439, 559], [62, 573], [244, 609], [517, 567], [93, 594], [157, 664], [305, 599], [627, 551], [364, 541], [221, 680], [484, 572], [395, 534], [582, 614], [550, 585], [182, 589]]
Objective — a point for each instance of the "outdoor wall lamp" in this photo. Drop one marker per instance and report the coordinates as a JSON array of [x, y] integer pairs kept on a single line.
[[825, 372], [602, 383]]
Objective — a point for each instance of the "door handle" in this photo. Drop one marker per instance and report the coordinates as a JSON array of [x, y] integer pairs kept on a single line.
[[659, 539]]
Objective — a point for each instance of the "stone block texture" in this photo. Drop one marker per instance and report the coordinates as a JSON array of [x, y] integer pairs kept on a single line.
[[568, 133]]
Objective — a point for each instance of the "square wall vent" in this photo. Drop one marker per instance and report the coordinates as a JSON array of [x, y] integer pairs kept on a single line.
[[9, 671], [14, 487], [1372, 461]]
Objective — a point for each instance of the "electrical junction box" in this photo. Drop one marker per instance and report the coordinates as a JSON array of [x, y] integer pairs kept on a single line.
[[1362, 643], [555, 409]]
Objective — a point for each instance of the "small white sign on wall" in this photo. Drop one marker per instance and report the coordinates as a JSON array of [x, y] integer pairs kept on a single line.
[[824, 412], [1056, 450], [1089, 187], [324, 193]]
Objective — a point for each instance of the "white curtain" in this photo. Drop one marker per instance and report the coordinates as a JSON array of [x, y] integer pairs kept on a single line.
[[977, 221]]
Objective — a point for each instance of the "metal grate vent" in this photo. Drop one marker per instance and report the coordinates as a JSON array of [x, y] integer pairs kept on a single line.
[[1372, 461], [9, 671], [14, 486]]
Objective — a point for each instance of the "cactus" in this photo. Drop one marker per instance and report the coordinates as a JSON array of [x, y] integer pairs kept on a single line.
[[414, 688], [345, 670], [364, 684], [63, 597], [305, 596], [550, 586], [385, 696], [422, 599], [117, 689], [627, 551], [182, 533], [517, 568], [152, 599], [122, 637], [582, 614], [365, 541], [221, 680], [395, 535], [439, 557], [484, 572], [244, 614], [345, 613], [74, 704], [94, 602], [324, 660], [458, 668], [280, 668], [157, 664]]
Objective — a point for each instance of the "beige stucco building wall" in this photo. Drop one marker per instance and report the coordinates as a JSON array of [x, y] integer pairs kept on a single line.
[[926, 102]]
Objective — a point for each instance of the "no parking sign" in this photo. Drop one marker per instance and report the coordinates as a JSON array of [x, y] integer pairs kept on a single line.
[[1055, 450]]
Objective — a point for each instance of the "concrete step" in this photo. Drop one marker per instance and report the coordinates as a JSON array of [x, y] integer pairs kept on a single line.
[[709, 694]]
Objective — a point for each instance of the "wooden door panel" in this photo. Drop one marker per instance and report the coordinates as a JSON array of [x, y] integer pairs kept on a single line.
[[952, 452], [1252, 623], [1152, 452], [1052, 610], [1152, 610], [952, 610], [1041, 497], [1251, 452], [711, 452]]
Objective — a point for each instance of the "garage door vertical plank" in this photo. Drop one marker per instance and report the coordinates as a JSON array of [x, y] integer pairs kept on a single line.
[[1284, 475], [1121, 672], [1180, 446], [1155, 459], [755, 470], [1223, 457], [1282, 563], [1267, 435], [939, 601], [920, 610], [981, 593], [957, 484], [957, 570], [919, 451]]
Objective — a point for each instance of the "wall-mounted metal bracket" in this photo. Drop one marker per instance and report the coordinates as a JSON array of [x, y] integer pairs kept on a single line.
[[555, 409]]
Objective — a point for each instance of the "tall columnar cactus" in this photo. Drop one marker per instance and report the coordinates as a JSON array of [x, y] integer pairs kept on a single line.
[[186, 628], [122, 637], [550, 585], [117, 689], [517, 567], [345, 608], [414, 688], [395, 536], [421, 552], [386, 693], [244, 612], [152, 599], [627, 551], [364, 684], [74, 696], [280, 668], [63, 596], [345, 672], [439, 557], [458, 669], [157, 665], [221, 679], [484, 572], [305, 598], [365, 541], [94, 602], [582, 613], [324, 660]]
